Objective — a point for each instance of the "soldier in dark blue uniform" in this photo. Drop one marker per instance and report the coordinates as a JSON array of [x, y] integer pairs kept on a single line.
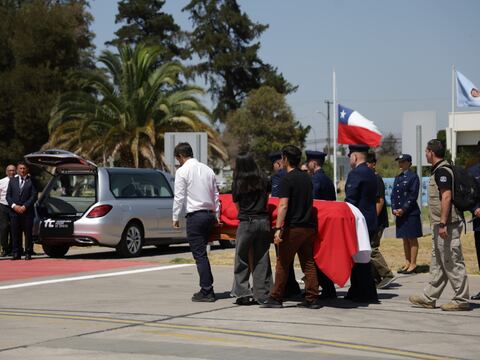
[[382, 274], [278, 172], [323, 188], [292, 288], [475, 172], [361, 191], [407, 213]]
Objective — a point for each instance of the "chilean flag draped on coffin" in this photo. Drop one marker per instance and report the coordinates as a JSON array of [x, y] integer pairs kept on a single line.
[[355, 129]]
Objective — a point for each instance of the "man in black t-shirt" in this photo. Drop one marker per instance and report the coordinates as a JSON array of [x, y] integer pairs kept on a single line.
[[295, 231], [381, 272]]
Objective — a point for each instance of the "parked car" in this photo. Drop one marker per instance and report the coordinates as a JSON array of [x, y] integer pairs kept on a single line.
[[84, 205]]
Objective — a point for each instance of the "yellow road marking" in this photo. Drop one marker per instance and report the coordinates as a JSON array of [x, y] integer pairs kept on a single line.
[[264, 335]]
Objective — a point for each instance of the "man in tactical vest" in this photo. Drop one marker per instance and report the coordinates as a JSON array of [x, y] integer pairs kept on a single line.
[[447, 263]]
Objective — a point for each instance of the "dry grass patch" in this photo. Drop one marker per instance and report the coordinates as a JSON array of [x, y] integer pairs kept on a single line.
[[391, 248]]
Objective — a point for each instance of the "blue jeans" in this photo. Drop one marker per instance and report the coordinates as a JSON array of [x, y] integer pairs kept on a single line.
[[199, 228]]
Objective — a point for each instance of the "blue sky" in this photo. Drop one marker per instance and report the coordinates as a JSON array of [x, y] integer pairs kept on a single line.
[[389, 56]]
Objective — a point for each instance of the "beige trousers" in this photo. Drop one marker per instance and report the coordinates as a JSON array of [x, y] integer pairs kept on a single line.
[[447, 265]]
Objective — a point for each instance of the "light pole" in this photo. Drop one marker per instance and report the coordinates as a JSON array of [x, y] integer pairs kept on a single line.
[[328, 130], [314, 136]]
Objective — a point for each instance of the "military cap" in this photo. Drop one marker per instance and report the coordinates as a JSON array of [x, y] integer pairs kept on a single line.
[[315, 155], [358, 148], [404, 157]]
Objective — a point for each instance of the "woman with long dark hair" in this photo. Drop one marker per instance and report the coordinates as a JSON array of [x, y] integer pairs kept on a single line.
[[250, 191]]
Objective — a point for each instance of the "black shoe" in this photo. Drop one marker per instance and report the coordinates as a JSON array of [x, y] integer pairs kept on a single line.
[[272, 303], [16, 257], [310, 304], [476, 297], [327, 296], [28, 257], [298, 295], [201, 297], [413, 271], [245, 301]]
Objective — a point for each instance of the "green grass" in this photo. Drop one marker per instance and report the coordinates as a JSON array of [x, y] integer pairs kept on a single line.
[[182, 261]]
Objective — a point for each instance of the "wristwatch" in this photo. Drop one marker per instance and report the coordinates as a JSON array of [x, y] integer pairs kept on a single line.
[[442, 225], [278, 228]]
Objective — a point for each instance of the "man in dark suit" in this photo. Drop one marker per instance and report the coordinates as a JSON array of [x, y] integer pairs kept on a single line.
[[277, 173], [5, 237], [323, 188], [361, 191], [21, 196]]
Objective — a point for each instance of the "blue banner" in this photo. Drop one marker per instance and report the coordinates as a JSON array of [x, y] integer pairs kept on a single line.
[[389, 186]]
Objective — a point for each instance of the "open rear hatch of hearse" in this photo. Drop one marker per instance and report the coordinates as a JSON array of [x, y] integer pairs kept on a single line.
[[71, 191]]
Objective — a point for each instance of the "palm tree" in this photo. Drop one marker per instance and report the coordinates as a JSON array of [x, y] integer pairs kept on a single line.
[[125, 109]]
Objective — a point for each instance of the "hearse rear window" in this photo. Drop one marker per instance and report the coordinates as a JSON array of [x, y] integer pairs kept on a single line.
[[70, 194], [139, 185]]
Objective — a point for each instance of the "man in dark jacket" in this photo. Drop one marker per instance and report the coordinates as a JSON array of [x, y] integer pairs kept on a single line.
[[277, 173], [323, 188], [382, 274], [361, 191], [475, 172], [21, 196]]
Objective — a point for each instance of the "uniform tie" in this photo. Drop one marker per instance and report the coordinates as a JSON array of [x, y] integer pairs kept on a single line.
[[22, 182]]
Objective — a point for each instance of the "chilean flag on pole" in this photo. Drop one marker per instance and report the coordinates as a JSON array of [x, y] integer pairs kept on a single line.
[[355, 129]]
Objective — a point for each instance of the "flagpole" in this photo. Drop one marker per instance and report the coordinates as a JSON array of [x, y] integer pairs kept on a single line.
[[453, 142], [334, 123]]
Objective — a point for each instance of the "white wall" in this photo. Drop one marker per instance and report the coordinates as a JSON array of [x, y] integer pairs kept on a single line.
[[197, 140], [464, 127]]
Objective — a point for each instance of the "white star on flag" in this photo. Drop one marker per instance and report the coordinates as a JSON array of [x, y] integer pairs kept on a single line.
[[342, 114]]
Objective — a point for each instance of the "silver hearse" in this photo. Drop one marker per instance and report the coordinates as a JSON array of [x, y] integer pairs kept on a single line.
[[84, 205]]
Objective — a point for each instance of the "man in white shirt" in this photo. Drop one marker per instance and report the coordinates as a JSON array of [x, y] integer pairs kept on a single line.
[[5, 240], [196, 188]]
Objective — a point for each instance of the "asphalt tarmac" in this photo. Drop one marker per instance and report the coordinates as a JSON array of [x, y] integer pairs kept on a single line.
[[141, 309]]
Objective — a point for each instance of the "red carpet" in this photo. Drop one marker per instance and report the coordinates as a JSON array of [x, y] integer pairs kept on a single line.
[[21, 269]]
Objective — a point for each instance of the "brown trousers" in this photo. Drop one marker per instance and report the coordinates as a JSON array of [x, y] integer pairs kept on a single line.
[[296, 241]]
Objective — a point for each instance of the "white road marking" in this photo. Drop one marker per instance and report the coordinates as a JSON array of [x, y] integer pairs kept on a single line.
[[96, 276]]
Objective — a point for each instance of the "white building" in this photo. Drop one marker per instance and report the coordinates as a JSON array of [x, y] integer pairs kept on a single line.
[[463, 130]]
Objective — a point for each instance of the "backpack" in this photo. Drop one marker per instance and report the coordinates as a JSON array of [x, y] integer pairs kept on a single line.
[[466, 193]]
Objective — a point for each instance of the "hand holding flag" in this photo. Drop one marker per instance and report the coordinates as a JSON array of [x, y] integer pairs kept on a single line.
[[355, 129]]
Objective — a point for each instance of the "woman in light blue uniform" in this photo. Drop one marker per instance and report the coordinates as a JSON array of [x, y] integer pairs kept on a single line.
[[407, 213]]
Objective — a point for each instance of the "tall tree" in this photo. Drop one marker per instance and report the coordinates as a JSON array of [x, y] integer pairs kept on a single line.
[[389, 145], [135, 102], [225, 40], [145, 22], [42, 42], [265, 123]]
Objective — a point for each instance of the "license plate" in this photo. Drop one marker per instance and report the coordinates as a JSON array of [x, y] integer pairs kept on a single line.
[[56, 227]]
